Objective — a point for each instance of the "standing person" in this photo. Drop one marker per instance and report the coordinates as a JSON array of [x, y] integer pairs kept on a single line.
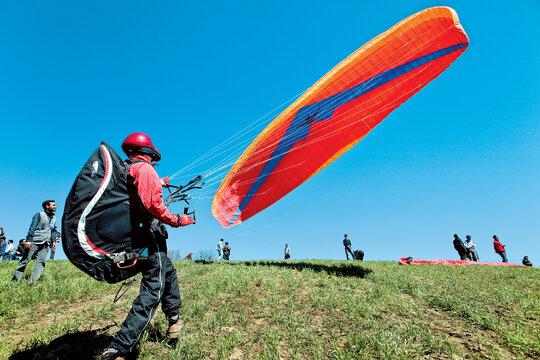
[[2, 243], [57, 240], [2, 236], [499, 248], [10, 251], [460, 247], [471, 249], [38, 241], [347, 245], [159, 282], [226, 251], [287, 252], [219, 249]]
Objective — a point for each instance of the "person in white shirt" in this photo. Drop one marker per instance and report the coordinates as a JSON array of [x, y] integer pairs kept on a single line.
[[219, 249], [471, 249], [10, 251], [287, 252]]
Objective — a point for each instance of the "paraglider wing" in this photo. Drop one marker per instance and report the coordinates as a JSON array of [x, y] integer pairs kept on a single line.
[[338, 111], [410, 261]]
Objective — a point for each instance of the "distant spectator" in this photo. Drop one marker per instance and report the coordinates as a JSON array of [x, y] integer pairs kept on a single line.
[[39, 239], [2, 243], [526, 261], [460, 247], [471, 249], [499, 248], [287, 252], [359, 255], [226, 251], [9, 252], [219, 249], [347, 245], [188, 256], [57, 240], [21, 250]]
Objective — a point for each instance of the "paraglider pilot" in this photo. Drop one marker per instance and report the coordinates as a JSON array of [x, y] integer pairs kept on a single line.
[[159, 282], [499, 248]]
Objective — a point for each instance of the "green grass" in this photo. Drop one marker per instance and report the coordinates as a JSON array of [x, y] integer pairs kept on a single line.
[[286, 310]]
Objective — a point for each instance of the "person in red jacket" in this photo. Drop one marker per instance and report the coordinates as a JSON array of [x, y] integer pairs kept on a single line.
[[159, 282], [499, 248]]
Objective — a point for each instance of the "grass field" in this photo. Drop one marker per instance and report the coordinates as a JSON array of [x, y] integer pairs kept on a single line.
[[286, 310]]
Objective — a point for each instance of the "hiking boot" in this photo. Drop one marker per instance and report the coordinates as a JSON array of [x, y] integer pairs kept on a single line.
[[112, 354], [174, 330]]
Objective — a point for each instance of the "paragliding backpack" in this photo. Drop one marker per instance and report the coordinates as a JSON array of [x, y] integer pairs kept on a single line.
[[358, 254], [97, 231]]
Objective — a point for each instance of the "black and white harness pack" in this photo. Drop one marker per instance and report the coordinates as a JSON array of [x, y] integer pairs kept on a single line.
[[97, 228]]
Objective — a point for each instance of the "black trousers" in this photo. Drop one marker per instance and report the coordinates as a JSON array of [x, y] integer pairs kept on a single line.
[[159, 283]]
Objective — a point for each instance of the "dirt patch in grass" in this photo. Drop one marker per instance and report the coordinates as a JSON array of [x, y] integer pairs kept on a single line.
[[243, 302], [236, 354], [21, 328], [465, 336]]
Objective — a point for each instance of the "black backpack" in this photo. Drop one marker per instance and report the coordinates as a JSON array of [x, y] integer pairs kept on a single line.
[[359, 254], [97, 234]]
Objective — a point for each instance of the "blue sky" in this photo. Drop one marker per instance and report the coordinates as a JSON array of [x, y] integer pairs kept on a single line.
[[461, 156]]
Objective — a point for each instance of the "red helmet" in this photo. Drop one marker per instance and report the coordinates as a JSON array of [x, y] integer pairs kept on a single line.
[[139, 143]]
